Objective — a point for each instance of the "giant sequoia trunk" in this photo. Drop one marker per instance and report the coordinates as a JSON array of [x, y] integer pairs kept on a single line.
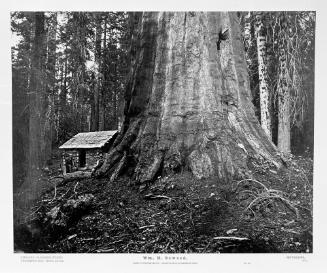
[[187, 104]]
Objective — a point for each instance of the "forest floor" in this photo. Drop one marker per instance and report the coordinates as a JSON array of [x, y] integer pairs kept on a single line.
[[271, 213]]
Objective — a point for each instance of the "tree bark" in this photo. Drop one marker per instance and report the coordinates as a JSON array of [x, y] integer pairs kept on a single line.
[[247, 31], [36, 101], [49, 112], [284, 127], [63, 97], [263, 76], [78, 56], [102, 87], [97, 95], [187, 105]]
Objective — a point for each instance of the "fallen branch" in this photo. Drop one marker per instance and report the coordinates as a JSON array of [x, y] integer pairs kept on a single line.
[[55, 193], [90, 239], [115, 242], [76, 176], [105, 250], [290, 231], [151, 196], [231, 238], [146, 226], [54, 177], [75, 187], [206, 247]]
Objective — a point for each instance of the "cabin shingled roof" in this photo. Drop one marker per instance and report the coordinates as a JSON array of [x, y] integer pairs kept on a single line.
[[89, 140]]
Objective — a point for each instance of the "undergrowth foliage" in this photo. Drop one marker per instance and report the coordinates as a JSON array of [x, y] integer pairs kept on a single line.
[[174, 215]]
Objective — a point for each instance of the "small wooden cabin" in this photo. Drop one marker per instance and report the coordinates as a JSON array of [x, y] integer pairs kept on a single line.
[[84, 150]]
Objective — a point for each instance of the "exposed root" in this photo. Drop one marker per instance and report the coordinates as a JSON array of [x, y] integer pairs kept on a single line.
[[111, 159], [251, 180], [117, 153], [260, 199], [119, 168], [149, 173], [264, 194]]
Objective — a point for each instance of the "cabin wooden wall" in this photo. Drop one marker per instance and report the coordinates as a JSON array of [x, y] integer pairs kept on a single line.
[[92, 156]]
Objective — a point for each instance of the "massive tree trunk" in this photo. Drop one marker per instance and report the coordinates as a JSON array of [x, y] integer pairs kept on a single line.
[[187, 105], [284, 127], [263, 75]]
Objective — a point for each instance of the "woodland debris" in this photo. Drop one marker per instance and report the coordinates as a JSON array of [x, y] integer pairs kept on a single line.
[[53, 213], [90, 239], [72, 236], [231, 238], [151, 196], [63, 214], [140, 226], [289, 223], [263, 196], [290, 230], [146, 226], [82, 202], [105, 250], [231, 231], [76, 176]]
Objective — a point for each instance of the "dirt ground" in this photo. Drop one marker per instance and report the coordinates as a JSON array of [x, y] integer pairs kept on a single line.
[[269, 213]]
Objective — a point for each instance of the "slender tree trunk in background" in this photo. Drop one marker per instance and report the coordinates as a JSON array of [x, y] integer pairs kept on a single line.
[[63, 95], [95, 106], [36, 97], [187, 105], [97, 91], [51, 92], [102, 87], [263, 76], [115, 109], [58, 107], [101, 110], [93, 113], [78, 87], [247, 31], [20, 115], [284, 127], [97, 85], [115, 101]]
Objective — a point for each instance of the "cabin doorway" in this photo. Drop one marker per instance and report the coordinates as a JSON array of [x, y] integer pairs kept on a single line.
[[82, 158]]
